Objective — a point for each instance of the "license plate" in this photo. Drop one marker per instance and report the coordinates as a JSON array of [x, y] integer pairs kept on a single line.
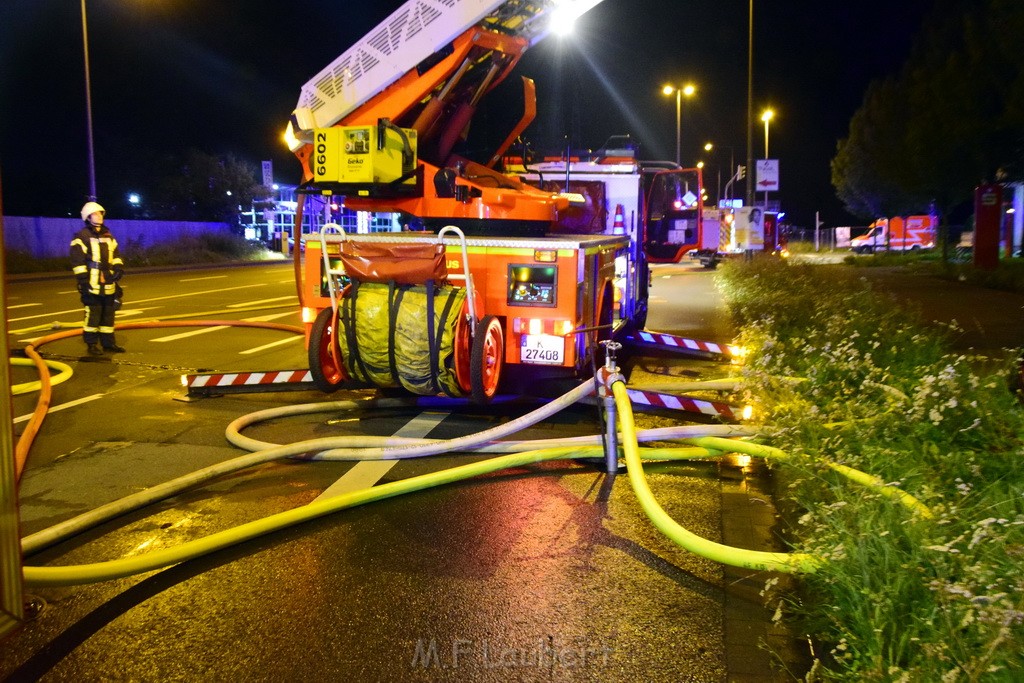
[[542, 348]]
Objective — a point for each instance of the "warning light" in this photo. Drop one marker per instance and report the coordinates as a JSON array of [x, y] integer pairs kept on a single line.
[[545, 256]]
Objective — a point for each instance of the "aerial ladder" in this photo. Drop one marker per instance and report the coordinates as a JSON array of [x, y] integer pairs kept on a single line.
[[379, 127], [481, 288], [407, 92]]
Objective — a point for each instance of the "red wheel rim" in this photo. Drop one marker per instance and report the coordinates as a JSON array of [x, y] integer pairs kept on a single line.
[[330, 355], [463, 351], [492, 360]]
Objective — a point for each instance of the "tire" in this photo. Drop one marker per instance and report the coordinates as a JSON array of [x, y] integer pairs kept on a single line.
[[325, 362], [487, 360]]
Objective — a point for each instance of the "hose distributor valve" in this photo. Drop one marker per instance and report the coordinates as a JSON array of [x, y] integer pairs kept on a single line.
[[609, 372]]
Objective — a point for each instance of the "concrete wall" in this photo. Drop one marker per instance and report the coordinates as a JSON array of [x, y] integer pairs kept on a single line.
[[50, 237]]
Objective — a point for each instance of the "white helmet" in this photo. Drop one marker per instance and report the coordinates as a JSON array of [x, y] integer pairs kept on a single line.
[[90, 208]]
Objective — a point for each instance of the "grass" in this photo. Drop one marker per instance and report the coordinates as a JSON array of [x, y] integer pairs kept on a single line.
[[901, 598], [1008, 275], [209, 248]]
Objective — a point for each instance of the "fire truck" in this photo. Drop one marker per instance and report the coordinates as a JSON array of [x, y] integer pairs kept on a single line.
[[496, 281]]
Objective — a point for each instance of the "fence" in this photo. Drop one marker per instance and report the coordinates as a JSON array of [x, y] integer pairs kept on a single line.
[[49, 237]]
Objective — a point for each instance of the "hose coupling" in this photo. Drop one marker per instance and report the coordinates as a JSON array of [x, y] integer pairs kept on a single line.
[[610, 347]]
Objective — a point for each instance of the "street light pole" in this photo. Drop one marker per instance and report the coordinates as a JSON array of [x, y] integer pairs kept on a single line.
[[679, 124], [88, 107], [766, 117], [687, 90], [750, 105]]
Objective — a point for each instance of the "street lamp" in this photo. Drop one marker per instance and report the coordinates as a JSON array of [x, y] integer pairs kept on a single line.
[[88, 107], [766, 117], [687, 90], [732, 168]]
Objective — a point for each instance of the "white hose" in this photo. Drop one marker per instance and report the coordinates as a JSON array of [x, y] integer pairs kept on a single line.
[[342, 450], [346, 448]]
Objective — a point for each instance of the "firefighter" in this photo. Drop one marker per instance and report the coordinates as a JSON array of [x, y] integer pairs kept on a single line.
[[98, 267]]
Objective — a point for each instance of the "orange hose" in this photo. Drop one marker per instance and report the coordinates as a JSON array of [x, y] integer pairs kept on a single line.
[[21, 449]]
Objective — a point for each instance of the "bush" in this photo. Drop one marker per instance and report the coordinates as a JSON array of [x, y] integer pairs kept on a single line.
[[901, 597]]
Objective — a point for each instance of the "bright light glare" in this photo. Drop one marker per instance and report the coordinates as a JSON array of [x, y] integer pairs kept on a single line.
[[564, 16], [668, 90], [689, 89], [737, 351], [767, 115], [291, 138], [748, 412]]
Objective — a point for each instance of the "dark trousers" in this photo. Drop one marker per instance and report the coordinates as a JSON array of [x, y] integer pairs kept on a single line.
[[99, 319]]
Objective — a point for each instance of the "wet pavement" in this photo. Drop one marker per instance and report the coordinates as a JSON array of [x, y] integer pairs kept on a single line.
[[547, 572]]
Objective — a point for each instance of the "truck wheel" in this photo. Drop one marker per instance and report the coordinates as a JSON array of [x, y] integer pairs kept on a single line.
[[488, 359], [325, 362]]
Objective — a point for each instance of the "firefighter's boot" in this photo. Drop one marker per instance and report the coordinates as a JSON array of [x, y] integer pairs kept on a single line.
[[95, 350], [113, 348]]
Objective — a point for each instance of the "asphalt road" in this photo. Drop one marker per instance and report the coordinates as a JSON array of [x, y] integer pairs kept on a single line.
[[546, 572]]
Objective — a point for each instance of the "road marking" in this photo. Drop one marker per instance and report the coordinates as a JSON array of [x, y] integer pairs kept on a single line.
[[271, 345], [58, 325], [246, 304], [197, 279], [269, 317], [366, 473], [62, 406], [23, 306], [193, 333], [144, 301]]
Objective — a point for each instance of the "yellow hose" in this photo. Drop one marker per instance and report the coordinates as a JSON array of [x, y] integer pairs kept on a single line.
[[64, 375], [737, 557], [702, 447], [24, 444], [759, 450]]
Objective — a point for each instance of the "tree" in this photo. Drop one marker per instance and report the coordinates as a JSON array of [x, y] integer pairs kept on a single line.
[[207, 187], [952, 117]]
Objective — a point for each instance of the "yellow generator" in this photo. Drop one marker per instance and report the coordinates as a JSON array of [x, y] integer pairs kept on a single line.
[[364, 155]]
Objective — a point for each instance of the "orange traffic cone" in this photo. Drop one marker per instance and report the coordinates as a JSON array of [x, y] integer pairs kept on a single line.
[[619, 225]]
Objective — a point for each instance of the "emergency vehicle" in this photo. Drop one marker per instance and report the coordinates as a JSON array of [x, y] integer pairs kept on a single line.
[[508, 293], [897, 234]]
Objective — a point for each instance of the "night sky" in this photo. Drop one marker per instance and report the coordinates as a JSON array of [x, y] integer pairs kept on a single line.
[[223, 76]]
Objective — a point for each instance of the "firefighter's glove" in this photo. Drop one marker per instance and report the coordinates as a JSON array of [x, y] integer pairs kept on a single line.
[[116, 274], [83, 286]]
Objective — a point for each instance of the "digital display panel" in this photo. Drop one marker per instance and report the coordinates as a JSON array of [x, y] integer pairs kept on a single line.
[[335, 265], [532, 285]]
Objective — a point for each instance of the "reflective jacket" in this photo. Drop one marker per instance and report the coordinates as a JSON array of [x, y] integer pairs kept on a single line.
[[95, 260]]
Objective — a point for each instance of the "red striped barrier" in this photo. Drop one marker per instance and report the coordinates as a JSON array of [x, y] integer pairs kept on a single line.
[[681, 345], [688, 404], [238, 382]]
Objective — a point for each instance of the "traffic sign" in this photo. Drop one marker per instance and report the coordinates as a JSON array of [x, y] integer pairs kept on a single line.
[[767, 175]]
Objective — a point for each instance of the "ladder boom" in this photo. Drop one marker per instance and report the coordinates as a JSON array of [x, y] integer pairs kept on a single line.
[[416, 31]]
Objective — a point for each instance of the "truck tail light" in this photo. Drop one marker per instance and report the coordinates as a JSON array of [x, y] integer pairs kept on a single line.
[[558, 328]]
